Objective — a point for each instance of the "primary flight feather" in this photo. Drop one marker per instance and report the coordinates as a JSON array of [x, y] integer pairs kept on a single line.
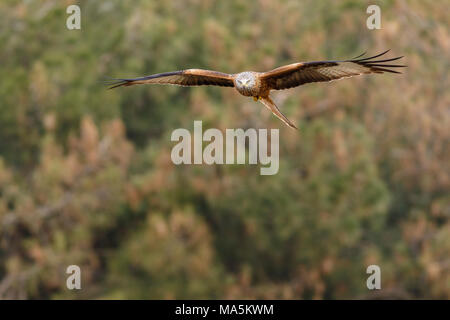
[[259, 84]]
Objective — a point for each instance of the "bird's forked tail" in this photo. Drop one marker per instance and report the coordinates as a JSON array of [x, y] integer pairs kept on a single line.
[[272, 107]]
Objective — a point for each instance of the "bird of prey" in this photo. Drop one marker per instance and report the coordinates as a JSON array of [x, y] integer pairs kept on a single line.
[[259, 84]]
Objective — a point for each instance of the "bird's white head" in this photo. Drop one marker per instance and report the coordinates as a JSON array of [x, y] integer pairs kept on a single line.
[[245, 80]]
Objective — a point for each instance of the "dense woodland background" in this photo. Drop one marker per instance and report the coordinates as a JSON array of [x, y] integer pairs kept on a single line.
[[86, 176]]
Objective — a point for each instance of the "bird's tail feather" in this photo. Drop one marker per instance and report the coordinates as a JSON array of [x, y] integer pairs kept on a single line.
[[272, 107]]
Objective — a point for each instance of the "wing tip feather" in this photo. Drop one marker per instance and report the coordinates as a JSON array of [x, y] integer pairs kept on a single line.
[[379, 66], [115, 83]]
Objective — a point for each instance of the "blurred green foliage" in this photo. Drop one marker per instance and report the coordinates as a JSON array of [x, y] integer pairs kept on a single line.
[[86, 176]]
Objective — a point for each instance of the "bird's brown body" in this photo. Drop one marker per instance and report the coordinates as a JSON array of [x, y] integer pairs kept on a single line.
[[259, 84]]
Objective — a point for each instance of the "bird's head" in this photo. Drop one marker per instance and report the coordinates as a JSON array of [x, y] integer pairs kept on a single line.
[[245, 80]]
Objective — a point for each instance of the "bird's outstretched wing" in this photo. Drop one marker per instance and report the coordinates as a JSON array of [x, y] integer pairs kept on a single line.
[[189, 77], [296, 74]]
